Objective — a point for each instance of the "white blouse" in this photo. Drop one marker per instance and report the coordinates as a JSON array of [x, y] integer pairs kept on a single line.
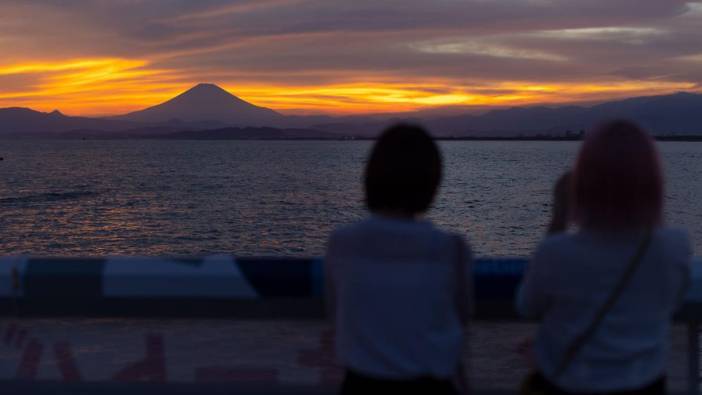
[[392, 284], [568, 280]]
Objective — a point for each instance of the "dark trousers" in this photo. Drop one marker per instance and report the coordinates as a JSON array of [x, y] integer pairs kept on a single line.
[[657, 387], [357, 383]]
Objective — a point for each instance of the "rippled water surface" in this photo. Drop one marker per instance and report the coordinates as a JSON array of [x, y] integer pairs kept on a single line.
[[283, 197]]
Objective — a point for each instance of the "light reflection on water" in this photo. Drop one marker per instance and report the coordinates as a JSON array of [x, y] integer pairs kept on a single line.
[[283, 198]]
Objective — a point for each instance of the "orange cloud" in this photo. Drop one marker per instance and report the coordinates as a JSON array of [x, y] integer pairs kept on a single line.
[[88, 86], [377, 97]]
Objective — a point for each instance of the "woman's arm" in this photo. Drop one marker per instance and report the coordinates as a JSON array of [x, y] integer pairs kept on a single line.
[[532, 296], [560, 208], [532, 299]]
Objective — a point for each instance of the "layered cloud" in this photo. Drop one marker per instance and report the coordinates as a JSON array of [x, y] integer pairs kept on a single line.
[[111, 56]]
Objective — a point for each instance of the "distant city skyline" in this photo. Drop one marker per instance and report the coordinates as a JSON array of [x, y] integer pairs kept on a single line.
[[337, 57]]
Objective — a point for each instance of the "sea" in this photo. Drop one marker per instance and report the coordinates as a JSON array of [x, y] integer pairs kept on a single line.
[[282, 198]]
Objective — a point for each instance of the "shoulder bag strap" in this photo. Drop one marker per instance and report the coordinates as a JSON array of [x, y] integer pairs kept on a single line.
[[611, 300]]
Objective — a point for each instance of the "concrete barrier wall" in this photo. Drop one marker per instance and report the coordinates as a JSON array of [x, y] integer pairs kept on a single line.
[[187, 320], [219, 285]]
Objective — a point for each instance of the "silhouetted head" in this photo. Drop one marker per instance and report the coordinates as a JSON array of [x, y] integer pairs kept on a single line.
[[617, 182], [403, 172]]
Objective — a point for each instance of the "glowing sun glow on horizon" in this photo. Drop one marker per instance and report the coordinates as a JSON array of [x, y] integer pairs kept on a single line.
[[103, 86]]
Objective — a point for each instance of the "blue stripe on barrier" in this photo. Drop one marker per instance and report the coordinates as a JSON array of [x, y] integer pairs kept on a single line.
[[279, 277], [494, 279], [497, 279], [195, 262], [500, 266], [317, 277], [64, 278]]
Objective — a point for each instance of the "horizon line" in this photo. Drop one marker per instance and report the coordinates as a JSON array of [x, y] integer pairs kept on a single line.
[[451, 109]]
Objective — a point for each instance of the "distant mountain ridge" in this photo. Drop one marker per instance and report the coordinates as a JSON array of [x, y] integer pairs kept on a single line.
[[678, 113], [206, 102], [25, 120], [209, 107]]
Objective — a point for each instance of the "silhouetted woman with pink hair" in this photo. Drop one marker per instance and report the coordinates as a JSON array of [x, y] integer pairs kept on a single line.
[[605, 293]]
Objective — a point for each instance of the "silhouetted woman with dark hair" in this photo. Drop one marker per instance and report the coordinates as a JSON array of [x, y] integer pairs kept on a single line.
[[397, 286], [606, 293]]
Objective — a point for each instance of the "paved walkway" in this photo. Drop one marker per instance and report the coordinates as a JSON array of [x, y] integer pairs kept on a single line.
[[226, 356]]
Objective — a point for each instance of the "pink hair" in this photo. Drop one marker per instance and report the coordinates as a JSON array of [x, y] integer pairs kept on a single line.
[[617, 182]]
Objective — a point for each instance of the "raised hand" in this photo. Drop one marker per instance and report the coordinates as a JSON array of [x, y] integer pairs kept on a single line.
[[561, 205]]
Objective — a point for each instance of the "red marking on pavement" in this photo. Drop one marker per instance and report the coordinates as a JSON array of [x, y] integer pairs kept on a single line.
[[323, 358], [223, 374], [21, 335], [29, 362], [66, 363], [152, 368], [10, 333]]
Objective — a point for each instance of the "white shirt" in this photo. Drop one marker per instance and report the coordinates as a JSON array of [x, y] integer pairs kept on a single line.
[[569, 278], [394, 288]]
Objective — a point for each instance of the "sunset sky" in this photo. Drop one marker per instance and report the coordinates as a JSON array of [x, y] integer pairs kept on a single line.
[[103, 57]]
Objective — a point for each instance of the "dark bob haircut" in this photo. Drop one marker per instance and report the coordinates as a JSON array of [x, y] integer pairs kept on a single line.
[[403, 171], [617, 182]]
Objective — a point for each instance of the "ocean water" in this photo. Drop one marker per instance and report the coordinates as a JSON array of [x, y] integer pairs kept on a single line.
[[148, 197]]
